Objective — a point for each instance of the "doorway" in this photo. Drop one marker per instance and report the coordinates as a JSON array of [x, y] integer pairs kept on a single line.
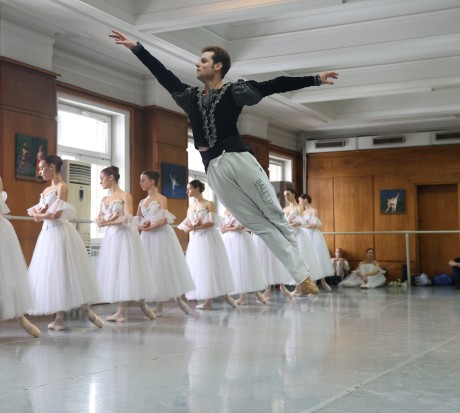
[[437, 211]]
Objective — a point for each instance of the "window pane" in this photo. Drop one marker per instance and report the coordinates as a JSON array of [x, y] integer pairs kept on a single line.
[[275, 172], [82, 132], [194, 158]]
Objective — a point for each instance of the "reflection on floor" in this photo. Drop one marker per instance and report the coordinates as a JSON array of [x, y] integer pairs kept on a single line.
[[384, 350]]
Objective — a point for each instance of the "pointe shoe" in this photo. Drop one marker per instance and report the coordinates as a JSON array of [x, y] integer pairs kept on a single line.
[[115, 317], [261, 297], [147, 311], [308, 286], [30, 328], [204, 306], [325, 285], [365, 286], [231, 301], [285, 292], [55, 327], [93, 317], [297, 292], [242, 299], [158, 310], [183, 305]]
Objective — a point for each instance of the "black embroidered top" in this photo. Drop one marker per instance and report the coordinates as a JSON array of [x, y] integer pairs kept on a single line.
[[214, 117]]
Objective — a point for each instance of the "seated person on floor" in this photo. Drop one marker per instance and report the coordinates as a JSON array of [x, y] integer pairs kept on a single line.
[[340, 264], [367, 275]]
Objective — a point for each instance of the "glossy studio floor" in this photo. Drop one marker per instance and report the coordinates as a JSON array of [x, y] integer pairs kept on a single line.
[[384, 350]]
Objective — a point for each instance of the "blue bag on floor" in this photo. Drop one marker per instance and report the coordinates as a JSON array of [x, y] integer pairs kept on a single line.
[[442, 279]]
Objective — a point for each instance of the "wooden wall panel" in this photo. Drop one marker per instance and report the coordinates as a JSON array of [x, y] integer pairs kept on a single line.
[[392, 248], [353, 203], [27, 89], [166, 140], [140, 152], [260, 147], [358, 178], [27, 106], [321, 191]]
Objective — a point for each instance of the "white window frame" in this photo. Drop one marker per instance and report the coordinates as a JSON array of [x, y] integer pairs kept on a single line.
[[92, 112], [286, 166], [118, 149]]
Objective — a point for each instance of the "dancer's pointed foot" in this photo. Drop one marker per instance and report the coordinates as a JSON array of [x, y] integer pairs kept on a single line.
[[183, 305], [242, 300], [206, 305], [231, 301], [285, 292], [158, 309], [308, 286], [58, 323], [268, 292], [147, 310], [297, 292], [325, 285], [261, 297], [117, 317], [30, 328], [55, 326], [92, 316]]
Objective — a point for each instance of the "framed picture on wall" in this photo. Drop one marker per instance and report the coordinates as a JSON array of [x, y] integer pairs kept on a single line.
[[29, 152], [173, 181], [392, 201]]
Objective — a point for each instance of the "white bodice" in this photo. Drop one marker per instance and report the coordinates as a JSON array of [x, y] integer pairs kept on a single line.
[[231, 221], [154, 213], [47, 199], [151, 210], [196, 215], [116, 206]]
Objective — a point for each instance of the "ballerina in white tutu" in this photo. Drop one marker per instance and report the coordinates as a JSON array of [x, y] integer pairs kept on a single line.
[[241, 252], [367, 275], [163, 249], [60, 270], [275, 273], [206, 255], [294, 215], [313, 225], [15, 294], [123, 271]]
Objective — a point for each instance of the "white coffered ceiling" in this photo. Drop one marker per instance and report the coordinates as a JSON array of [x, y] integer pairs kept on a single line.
[[399, 61]]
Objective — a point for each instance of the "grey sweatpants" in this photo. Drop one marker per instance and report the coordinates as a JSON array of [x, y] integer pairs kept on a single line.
[[243, 187]]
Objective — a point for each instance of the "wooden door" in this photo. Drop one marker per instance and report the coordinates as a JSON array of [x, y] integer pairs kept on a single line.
[[437, 210]]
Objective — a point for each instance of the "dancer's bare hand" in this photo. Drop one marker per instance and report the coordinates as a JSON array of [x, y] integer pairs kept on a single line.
[[325, 76], [120, 38]]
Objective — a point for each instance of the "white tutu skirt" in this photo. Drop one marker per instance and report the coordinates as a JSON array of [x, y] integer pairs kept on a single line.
[[245, 264], [15, 294], [123, 271], [308, 253], [373, 281], [60, 271], [208, 262], [322, 254], [274, 271], [167, 261]]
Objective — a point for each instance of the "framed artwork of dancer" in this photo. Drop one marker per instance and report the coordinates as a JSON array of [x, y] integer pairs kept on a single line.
[[393, 201], [29, 152], [173, 181]]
